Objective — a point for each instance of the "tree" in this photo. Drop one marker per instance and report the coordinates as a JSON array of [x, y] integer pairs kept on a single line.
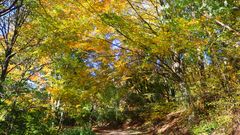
[[144, 56], [9, 6]]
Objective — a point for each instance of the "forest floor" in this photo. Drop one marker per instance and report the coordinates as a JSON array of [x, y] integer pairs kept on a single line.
[[121, 132], [173, 124], [168, 126], [125, 129]]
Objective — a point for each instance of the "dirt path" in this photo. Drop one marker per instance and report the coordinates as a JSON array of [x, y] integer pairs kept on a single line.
[[120, 132], [172, 124]]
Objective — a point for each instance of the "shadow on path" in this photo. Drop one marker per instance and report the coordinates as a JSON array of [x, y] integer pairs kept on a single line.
[[120, 132]]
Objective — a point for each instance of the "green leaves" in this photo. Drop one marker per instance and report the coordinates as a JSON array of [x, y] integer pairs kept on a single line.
[[101, 61]]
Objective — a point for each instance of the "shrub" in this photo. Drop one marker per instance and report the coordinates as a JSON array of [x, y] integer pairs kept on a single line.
[[78, 131]]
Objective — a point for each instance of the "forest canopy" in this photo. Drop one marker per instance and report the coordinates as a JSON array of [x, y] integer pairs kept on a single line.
[[162, 66]]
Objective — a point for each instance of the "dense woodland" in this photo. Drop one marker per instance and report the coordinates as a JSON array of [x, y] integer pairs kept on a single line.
[[72, 67]]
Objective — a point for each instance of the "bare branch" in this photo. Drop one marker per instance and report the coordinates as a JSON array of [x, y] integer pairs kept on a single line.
[[227, 27], [142, 19]]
